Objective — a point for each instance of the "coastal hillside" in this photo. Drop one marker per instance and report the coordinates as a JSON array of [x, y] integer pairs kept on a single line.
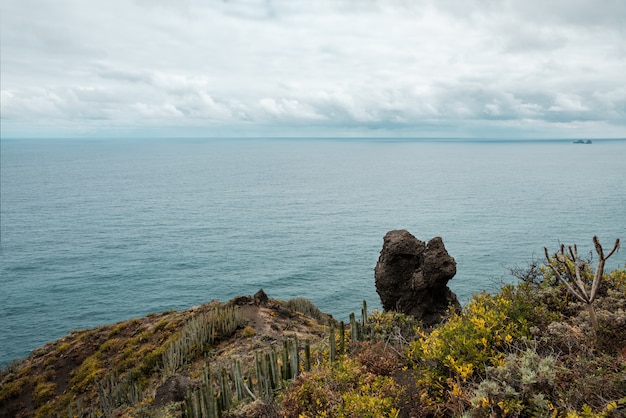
[[532, 349], [122, 369]]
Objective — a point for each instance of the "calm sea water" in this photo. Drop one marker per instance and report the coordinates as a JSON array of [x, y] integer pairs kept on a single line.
[[99, 231]]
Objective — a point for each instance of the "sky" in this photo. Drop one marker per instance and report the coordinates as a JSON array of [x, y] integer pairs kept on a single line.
[[313, 68]]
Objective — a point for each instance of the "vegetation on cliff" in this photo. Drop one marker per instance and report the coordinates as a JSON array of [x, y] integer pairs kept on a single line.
[[532, 349]]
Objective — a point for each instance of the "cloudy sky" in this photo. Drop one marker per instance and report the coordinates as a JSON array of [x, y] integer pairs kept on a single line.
[[375, 68]]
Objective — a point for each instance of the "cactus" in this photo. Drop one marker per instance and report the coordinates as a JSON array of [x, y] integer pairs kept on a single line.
[[241, 388], [294, 358], [261, 369], [198, 334], [364, 314], [210, 404], [333, 347], [306, 307], [274, 368], [285, 362], [342, 338], [355, 328], [573, 280], [225, 394], [307, 355], [114, 391]]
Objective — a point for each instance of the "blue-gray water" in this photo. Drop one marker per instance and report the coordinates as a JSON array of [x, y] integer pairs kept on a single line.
[[98, 231]]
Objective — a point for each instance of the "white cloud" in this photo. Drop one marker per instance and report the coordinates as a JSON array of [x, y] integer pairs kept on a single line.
[[454, 67], [568, 102], [166, 110]]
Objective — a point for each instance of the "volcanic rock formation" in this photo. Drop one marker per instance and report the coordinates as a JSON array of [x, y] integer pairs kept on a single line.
[[412, 277]]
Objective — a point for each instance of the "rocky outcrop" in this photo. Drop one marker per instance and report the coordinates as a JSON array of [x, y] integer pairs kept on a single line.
[[174, 389], [412, 277]]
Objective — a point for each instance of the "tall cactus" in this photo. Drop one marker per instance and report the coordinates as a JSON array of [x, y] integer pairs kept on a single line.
[[342, 338], [354, 332], [274, 368], [197, 334], [364, 314], [573, 279], [331, 343], [294, 358], [364, 332], [286, 366], [307, 356], [263, 376], [241, 389], [225, 393]]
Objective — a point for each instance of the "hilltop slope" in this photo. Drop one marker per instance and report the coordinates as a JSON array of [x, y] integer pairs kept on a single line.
[[67, 374]]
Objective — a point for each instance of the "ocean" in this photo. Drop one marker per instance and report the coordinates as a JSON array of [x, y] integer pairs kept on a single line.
[[104, 230]]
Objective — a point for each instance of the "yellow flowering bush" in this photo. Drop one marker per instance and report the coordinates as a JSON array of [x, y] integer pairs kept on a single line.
[[342, 390], [452, 354]]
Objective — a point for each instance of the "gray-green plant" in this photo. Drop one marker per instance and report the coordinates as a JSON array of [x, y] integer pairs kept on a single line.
[[307, 356], [331, 343], [573, 279], [355, 328], [342, 338], [364, 314], [523, 384], [115, 391], [203, 402], [198, 334], [306, 307]]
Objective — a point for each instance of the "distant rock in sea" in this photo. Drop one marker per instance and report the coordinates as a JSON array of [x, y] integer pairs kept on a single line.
[[581, 141]]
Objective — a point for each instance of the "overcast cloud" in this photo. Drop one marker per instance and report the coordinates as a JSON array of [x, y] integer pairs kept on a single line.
[[400, 68]]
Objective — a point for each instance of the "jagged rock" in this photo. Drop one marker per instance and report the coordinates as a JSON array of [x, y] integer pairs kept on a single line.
[[412, 277], [260, 298], [173, 389]]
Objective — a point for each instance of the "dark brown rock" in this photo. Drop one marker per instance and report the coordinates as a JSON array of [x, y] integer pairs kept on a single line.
[[412, 277], [260, 298], [173, 389]]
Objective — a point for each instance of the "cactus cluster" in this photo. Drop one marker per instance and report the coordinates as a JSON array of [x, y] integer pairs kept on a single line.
[[306, 307], [358, 329], [358, 332], [115, 391], [223, 388], [199, 334]]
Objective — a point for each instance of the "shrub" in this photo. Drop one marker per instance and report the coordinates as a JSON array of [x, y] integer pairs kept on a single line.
[[248, 331], [88, 373], [305, 306], [345, 389], [522, 384], [455, 352], [394, 327], [590, 380], [379, 358], [44, 391]]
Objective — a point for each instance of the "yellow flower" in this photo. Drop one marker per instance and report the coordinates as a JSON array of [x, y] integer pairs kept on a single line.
[[484, 341], [456, 390], [465, 370]]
